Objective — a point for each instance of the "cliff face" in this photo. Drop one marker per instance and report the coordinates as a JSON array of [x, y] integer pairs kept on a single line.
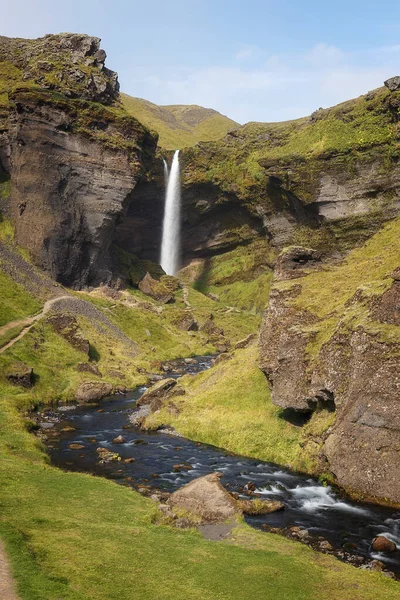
[[330, 340], [328, 181], [72, 160]]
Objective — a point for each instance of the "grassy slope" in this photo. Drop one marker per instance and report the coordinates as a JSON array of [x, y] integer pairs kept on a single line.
[[240, 278], [15, 302], [179, 126], [327, 293]]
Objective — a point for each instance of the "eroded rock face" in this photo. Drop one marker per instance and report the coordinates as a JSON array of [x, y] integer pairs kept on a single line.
[[73, 164], [68, 192], [356, 373]]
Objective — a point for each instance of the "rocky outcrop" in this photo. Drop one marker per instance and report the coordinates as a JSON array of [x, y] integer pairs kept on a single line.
[[19, 373], [67, 326], [345, 361], [155, 289], [73, 165]]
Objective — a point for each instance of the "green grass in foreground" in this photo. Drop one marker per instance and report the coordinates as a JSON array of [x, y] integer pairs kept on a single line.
[[15, 302], [78, 537]]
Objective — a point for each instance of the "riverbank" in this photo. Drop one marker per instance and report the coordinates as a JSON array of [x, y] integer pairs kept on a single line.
[[77, 537]]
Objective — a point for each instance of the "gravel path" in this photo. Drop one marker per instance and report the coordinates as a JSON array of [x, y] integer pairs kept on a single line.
[[7, 586]]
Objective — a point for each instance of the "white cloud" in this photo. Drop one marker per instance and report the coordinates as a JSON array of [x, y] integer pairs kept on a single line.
[[247, 52], [284, 87]]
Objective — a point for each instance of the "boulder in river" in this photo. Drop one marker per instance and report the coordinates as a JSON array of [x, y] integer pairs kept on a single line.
[[119, 440], [93, 391], [260, 507], [382, 544], [206, 498], [159, 392]]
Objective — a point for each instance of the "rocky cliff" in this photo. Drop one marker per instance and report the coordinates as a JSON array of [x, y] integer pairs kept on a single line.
[[72, 153], [329, 181], [330, 342]]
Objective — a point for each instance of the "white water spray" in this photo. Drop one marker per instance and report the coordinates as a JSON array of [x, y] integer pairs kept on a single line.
[[170, 246], [166, 174]]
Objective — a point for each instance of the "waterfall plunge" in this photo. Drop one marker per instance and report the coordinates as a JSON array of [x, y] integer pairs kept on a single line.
[[170, 246]]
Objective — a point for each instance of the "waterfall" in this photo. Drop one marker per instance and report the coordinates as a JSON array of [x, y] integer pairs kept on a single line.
[[166, 174], [170, 246]]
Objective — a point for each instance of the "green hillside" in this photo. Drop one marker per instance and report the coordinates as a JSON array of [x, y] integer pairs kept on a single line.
[[178, 125]]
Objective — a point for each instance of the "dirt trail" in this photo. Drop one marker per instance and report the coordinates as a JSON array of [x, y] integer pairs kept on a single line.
[[27, 324], [7, 586]]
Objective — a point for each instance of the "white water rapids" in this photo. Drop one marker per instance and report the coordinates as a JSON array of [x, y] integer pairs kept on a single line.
[[170, 246]]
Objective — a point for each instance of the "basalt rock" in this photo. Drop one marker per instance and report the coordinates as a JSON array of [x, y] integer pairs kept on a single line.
[[155, 289], [393, 84]]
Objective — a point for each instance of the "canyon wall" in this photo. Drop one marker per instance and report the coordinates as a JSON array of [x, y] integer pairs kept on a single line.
[[72, 153]]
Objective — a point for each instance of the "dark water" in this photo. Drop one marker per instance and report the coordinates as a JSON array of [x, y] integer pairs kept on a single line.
[[308, 504]]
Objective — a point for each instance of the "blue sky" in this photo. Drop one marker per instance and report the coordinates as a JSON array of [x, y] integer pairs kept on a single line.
[[252, 60]]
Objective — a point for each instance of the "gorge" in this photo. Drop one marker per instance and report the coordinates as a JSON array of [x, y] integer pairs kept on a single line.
[[273, 247]]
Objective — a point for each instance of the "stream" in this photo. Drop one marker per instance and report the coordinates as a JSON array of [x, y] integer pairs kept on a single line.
[[166, 462]]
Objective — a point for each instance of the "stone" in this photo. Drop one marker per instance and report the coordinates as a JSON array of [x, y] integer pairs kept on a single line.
[[206, 498], [376, 565], [325, 545], [382, 544], [155, 289], [129, 460], [158, 393], [260, 507], [76, 446], [187, 322], [245, 341], [93, 391], [88, 368], [393, 83], [119, 440], [68, 429], [18, 373]]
